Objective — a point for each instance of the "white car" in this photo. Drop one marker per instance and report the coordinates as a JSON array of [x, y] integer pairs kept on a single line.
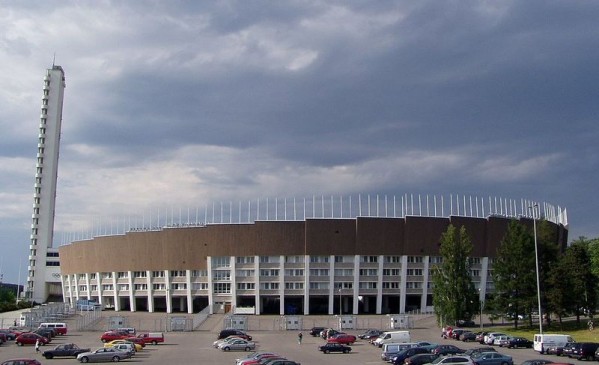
[[238, 345], [453, 360]]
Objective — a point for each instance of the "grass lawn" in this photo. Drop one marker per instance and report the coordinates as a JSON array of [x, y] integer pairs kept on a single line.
[[579, 331]]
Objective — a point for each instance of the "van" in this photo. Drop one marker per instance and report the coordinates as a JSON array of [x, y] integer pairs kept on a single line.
[[543, 341], [59, 328], [391, 349], [393, 336]]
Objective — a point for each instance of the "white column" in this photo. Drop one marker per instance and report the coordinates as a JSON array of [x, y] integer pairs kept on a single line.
[[282, 284], [356, 283], [232, 266], [117, 304], [332, 291], [484, 270], [167, 280], [76, 280], [379, 287], [131, 292], [89, 287], [402, 285], [99, 280], [425, 271], [150, 291], [306, 284], [210, 283], [188, 291], [257, 283]]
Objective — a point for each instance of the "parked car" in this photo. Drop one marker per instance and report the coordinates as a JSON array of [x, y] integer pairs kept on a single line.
[[233, 332], [315, 331], [419, 359], [455, 334], [217, 343], [466, 323], [103, 355], [468, 336], [480, 337], [492, 358], [568, 348], [334, 347], [370, 334], [29, 338], [329, 332], [10, 335], [21, 361], [401, 356], [64, 350], [537, 362], [238, 344], [499, 340], [453, 360], [254, 356], [342, 338], [113, 335], [136, 347], [514, 342], [490, 337], [572, 350], [559, 350], [585, 351], [477, 350], [125, 347], [443, 350], [158, 337]]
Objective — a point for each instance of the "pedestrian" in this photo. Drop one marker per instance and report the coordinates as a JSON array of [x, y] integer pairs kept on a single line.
[[15, 322], [37, 345], [299, 338]]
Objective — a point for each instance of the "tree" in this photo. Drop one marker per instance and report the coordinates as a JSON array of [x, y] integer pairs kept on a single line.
[[454, 297], [514, 272]]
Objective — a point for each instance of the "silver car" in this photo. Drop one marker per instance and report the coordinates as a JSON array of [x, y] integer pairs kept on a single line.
[[103, 354], [238, 344]]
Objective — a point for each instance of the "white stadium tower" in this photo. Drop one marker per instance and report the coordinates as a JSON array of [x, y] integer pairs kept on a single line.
[[43, 275]]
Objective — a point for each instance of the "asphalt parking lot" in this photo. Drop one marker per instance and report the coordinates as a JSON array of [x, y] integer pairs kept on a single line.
[[196, 348]]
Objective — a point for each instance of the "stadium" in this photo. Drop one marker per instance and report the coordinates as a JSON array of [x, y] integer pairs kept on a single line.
[[322, 255]]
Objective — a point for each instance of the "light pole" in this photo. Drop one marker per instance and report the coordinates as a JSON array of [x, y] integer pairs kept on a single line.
[[482, 304], [534, 227], [340, 304]]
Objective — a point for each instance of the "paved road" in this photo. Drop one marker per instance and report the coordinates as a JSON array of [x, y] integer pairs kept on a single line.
[[196, 348]]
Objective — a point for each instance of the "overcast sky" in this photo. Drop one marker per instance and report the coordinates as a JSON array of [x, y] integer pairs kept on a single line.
[[182, 103]]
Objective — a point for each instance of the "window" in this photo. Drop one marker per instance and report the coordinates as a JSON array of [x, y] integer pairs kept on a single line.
[[413, 285], [344, 272], [82, 288], [369, 259], [319, 286], [269, 259], [178, 286], [55, 254], [199, 286], [222, 275], [245, 273], [122, 274], [319, 272], [123, 287], [269, 272], [474, 272], [159, 286], [391, 272], [52, 263], [106, 275], [319, 259], [294, 259], [245, 260], [177, 273], [141, 286], [157, 274], [199, 273], [415, 259], [269, 286], [344, 285], [140, 274], [390, 285], [338, 259], [107, 287], [474, 260], [246, 286], [414, 272], [223, 261], [94, 288], [369, 272], [294, 286], [367, 285], [435, 259], [392, 259], [92, 276], [294, 272]]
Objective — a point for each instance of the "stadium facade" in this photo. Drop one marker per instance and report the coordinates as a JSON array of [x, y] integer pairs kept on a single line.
[[373, 260]]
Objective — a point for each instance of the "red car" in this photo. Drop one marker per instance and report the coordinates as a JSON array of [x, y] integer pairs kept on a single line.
[[29, 338], [113, 335], [21, 361], [342, 338]]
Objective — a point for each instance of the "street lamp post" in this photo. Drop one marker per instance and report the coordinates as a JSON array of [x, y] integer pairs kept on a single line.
[[340, 307], [482, 304], [534, 225]]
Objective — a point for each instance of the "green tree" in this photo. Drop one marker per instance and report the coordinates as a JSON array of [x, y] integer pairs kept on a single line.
[[514, 273], [454, 297], [582, 278], [549, 253]]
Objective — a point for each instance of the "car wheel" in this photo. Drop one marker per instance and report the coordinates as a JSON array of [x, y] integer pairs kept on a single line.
[[19, 344], [84, 359], [345, 351], [326, 351], [226, 348], [104, 340], [48, 356], [591, 357], [504, 363], [116, 359], [154, 343], [247, 348]]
